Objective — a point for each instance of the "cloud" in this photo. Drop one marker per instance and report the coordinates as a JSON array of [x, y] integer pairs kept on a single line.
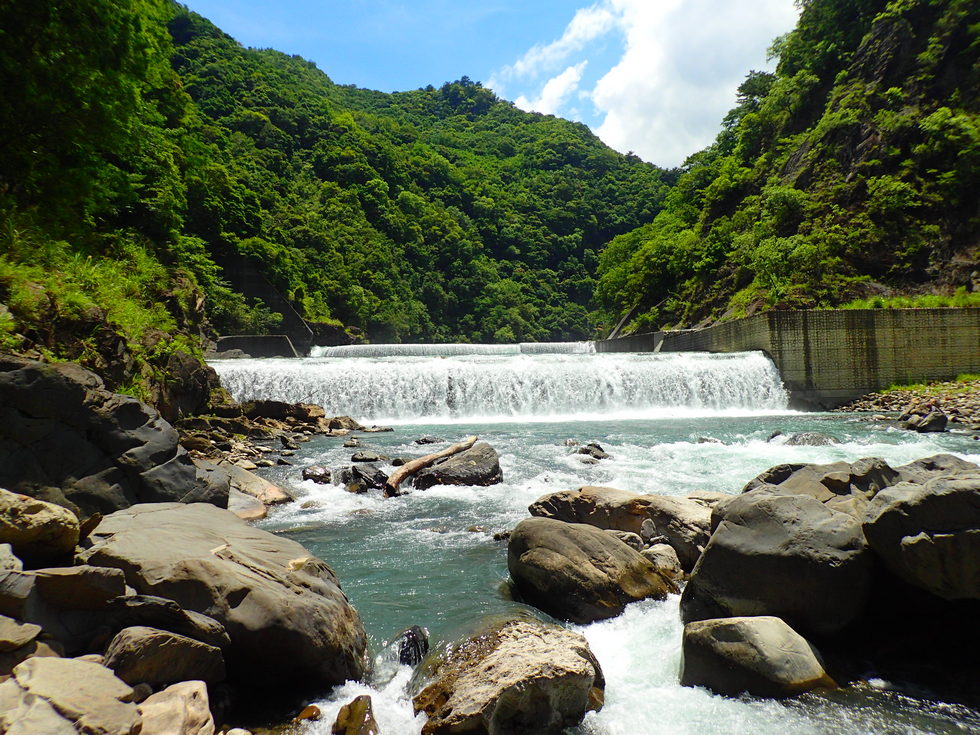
[[674, 79], [555, 91], [587, 25]]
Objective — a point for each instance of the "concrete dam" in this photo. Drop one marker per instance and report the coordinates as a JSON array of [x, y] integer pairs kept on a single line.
[[829, 357]]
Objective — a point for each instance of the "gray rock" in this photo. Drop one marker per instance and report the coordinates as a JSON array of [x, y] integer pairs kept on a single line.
[[664, 559], [180, 709], [629, 538], [578, 572], [43, 648], [319, 475], [759, 655], [923, 470], [141, 654], [934, 421], [64, 438], [811, 439], [64, 696], [368, 457], [785, 555], [929, 535], [246, 507], [261, 587], [516, 677], [251, 484], [79, 588], [685, 523], [478, 465]]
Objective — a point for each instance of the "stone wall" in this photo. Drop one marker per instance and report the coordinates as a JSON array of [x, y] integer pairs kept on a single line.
[[828, 357]]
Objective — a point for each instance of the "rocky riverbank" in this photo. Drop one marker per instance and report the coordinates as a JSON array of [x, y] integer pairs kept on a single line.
[[959, 400]]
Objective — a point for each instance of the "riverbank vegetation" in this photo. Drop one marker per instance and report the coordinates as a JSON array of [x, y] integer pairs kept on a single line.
[[148, 159]]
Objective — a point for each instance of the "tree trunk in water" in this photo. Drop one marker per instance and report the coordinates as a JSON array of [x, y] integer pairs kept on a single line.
[[410, 468]]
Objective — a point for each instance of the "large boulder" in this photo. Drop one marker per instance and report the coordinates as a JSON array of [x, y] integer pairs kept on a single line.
[[159, 612], [785, 555], [64, 696], [64, 438], [518, 677], [36, 530], [289, 622], [759, 655], [922, 470], [478, 465], [929, 535], [578, 572], [684, 522], [152, 656], [180, 709]]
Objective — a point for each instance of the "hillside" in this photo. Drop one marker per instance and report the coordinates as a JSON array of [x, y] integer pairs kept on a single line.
[[850, 173]]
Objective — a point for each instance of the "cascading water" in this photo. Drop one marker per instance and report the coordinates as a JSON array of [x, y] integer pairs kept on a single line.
[[672, 423], [454, 349], [514, 386]]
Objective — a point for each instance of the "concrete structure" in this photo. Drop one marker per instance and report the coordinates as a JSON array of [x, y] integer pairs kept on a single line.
[[258, 345], [828, 357]]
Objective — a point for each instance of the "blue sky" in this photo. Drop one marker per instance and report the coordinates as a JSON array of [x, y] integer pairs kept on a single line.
[[650, 76]]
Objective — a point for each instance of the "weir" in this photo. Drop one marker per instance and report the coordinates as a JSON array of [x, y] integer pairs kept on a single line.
[[513, 386], [832, 356], [455, 349]]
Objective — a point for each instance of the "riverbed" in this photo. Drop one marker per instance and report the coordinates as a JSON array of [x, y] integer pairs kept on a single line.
[[672, 424]]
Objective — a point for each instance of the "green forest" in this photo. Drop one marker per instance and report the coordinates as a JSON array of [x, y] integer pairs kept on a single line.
[[146, 152]]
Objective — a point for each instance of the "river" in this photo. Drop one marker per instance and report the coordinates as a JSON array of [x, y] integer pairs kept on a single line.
[[672, 423]]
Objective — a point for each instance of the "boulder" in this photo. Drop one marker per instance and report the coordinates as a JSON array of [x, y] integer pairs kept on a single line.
[[368, 457], [246, 507], [356, 718], [478, 465], [15, 634], [251, 484], [515, 677], [410, 645], [685, 523], [664, 559], [64, 438], [180, 709], [36, 530], [578, 572], [761, 655], [923, 470], [785, 555], [38, 647], [159, 612], [289, 622], [79, 588], [319, 475], [65, 696], [811, 439], [929, 535], [141, 654], [9, 560], [934, 421]]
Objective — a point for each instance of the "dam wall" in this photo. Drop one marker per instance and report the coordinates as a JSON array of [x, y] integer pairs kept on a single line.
[[829, 357]]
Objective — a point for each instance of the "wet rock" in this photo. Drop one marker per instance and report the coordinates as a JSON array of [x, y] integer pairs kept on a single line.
[[319, 475], [784, 555], [685, 523], [929, 535], [429, 440], [246, 507], [356, 718], [180, 709], [64, 696], [368, 457], [478, 465], [344, 423], [259, 586], [360, 478], [412, 644], [309, 712], [258, 487], [811, 439], [592, 449], [352, 443], [933, 422], [577, 572], [36, 530], [762, 656], [515, 677]]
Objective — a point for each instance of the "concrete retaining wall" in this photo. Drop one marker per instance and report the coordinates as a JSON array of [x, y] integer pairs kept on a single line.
[[258, 345], [829, 357]]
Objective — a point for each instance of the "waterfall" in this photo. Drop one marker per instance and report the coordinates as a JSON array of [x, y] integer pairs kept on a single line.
[[454, 350], [514, 385]]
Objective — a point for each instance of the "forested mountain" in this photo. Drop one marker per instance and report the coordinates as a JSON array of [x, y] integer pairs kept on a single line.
[[852, 172], [144, 150]]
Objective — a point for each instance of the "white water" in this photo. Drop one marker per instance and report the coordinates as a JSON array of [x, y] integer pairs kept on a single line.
[[429, 558], [506, 387]]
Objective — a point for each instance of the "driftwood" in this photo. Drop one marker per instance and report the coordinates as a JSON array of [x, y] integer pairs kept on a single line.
[[410, 468]]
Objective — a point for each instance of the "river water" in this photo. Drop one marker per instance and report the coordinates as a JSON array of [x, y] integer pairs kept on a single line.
[[672, 423]]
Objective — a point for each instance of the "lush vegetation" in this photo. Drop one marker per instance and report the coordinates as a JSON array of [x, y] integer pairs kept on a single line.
[[850, 173]]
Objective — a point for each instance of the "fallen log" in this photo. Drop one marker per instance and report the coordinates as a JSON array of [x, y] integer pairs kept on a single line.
[[410, 468]]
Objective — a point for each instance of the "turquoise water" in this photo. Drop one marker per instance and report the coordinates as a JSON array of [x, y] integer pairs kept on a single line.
[[429, 558]]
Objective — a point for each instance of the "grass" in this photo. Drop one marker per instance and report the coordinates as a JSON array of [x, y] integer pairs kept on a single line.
[[960, 299]]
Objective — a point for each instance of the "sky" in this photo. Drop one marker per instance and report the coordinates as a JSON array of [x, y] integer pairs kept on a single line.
[[654, 77]]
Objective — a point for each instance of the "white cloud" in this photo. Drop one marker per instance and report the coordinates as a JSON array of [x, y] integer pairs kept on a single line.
[[555, 91], [587, 25], [676, 77]]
